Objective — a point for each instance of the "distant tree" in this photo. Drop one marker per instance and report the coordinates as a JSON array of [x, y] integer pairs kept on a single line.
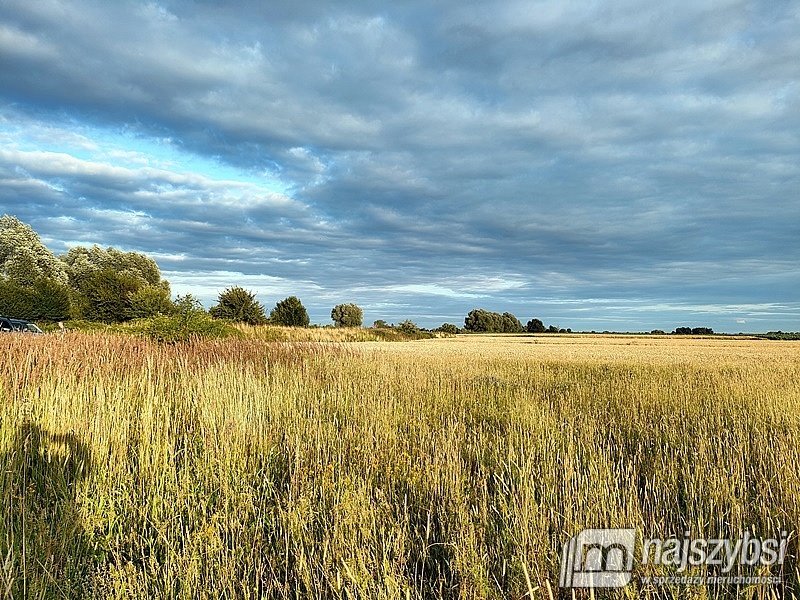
[[380, 324], [447, 328], [481, 320], [510, 324], [535, 326], [240, 305], [552, 329], [683, 331], [702, 331], [657, 332], [290, 313], [24, 259], [347, 315], [408, 326]]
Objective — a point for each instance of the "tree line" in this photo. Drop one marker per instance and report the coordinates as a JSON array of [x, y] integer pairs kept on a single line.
[[108, 285], [111, 286]]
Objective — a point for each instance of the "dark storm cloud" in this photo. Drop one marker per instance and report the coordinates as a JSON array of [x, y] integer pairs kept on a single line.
[[447, 155]]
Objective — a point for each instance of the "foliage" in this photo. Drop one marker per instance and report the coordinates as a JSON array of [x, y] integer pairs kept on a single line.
[[82, 263], [347, 315], [44, 300], [780, 335], [108, 295], [481, 320], [187, 322], [380, 324], [408, 326], [447, 328], [24, 259], [239, 305], [535, 326], [289, 312], [114, 286], [693, 331], [150, 300]]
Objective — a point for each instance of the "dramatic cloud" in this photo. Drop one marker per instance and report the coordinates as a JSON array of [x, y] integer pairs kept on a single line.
[[622, 165]]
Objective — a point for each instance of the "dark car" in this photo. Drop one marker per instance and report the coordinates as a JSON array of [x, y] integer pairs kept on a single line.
[[20, 325]]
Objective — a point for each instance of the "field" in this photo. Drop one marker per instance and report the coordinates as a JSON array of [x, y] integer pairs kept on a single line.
[[443, 468]]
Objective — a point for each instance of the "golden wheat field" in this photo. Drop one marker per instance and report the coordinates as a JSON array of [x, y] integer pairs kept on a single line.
[[443, 468]]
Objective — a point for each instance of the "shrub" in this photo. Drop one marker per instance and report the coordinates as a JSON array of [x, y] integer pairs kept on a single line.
[[290, 313], [240, 305], [380, 324], [149, 301], [408, 326], [347, 315], [188, 321]]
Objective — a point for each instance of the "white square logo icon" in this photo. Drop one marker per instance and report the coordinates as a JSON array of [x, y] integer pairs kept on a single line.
[[598, 558]]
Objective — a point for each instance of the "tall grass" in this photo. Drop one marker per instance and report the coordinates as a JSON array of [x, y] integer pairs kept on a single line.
[[243, 469]]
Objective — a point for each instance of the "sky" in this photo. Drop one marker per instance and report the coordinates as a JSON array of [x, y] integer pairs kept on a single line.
[[625, 165]]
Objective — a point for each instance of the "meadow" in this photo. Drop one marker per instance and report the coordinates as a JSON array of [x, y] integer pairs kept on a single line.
[[339, 468]]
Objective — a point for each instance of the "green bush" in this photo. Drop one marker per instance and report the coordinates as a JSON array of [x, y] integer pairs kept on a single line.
[[45, 300], [149, 301], [189, 321], [290, 313], [240, 305]]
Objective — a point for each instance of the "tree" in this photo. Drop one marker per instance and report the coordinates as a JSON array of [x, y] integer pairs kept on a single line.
[[380, 324], [481, 320], [239, 304], [447, 328], [408, 326], [24, 259], [45, 300], [82, 262], [150, 300], [130, 273], [289, 312], [535, 326], [347, 315], [108, 296], [509, 323]]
